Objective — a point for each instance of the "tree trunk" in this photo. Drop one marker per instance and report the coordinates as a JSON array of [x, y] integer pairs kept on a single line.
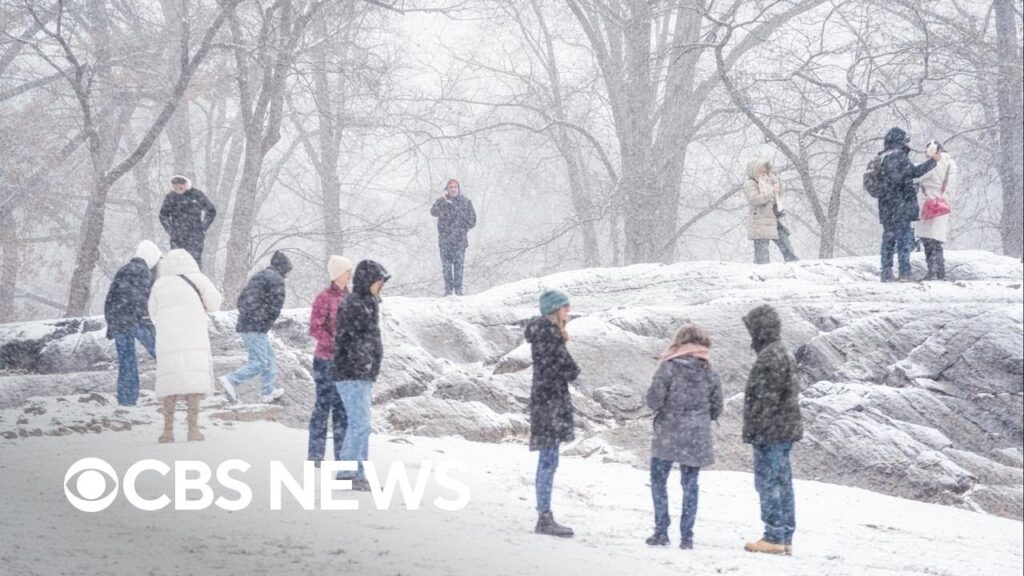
[[10, 266], [1011, 131]]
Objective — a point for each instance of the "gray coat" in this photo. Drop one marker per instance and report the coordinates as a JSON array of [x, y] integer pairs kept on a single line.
[[686, 396]]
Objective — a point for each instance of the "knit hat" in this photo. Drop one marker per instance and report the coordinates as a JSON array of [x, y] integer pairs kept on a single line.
[[552, 300], [179, 179], [337, 265], [148, 252], [280, 262]]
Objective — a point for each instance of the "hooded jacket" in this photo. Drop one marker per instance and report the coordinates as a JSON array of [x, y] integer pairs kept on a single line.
[[685, 395], [186, 217], [125, 308], [771, 403], [762, 221], [455, 218], [358, 349], [551, 419], [898, 202], [261, 300]]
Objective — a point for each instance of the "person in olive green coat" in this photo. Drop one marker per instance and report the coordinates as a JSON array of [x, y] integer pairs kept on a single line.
[[771, 424]]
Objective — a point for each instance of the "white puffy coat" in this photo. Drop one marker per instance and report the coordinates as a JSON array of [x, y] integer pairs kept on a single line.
[[184, 361], [762, 223], [931, 187]]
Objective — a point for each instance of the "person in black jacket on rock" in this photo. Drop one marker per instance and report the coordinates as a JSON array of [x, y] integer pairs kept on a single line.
[[358, 352], [551, 421], [259, 305], [897, 205], [185, 215], [455, 218], [126, 312]]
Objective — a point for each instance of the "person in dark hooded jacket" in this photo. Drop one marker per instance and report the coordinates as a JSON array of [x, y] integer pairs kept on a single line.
[[897, 204], [126, 312], [551, 420], [771, 424], [259, 305], [186, 214], [455, 218], [358, 352]]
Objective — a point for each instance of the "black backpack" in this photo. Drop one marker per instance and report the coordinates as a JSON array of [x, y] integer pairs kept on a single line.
[[874, 176]]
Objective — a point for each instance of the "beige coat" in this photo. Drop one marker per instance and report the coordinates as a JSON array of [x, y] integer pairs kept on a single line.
[[762, 224], [184, 361], [931, 187]]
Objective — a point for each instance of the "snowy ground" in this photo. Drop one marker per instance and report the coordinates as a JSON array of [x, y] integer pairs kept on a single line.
[[840, 530]]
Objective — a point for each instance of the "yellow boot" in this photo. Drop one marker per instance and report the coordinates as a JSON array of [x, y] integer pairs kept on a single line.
[[765, 547]]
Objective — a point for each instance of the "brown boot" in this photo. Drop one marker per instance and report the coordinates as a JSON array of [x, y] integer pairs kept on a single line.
[[194, 435], [168, 410], [765, 547]]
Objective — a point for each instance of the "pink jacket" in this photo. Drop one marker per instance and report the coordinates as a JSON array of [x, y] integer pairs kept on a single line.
[[322, 319]]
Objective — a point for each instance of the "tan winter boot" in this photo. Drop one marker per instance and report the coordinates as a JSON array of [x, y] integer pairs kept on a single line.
[[168, 410], [765, 547], [194, 435]]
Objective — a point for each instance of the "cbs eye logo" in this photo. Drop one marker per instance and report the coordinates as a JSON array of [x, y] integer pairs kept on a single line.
[[90, 484]]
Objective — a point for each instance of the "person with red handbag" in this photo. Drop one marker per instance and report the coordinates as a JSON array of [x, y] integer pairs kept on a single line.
[[934, 191]]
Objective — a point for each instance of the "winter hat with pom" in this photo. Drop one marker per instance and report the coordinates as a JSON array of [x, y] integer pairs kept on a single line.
[[552, 300], [336, 266], [149, 252]]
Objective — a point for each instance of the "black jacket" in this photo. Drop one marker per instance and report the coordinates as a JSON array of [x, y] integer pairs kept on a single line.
[[357, 345], [186, 217], [126, 306], [551, 419], [261, 300], [898, 202], [771, 403], [455, 218]]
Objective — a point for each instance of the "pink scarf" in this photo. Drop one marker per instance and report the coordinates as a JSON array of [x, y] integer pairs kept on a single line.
[[693, 350]]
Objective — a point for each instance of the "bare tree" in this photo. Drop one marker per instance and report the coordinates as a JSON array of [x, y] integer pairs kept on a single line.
[[1011, 129]]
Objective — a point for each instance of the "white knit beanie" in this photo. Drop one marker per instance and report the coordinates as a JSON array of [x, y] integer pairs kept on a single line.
[[336, 266]]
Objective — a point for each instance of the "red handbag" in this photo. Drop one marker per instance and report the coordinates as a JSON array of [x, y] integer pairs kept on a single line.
[[935, 207]]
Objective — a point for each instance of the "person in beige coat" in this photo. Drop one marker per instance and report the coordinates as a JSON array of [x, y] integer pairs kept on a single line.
[[764, 196], [939, 182], [178, 304]]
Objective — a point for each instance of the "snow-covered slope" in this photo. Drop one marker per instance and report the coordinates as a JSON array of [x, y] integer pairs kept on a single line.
[[909, 389], [841, 531]]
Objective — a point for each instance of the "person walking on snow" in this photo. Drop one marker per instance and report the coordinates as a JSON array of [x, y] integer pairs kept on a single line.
[[358, 352], [186, 214], [455, 218], [936, 186], [322, 320], [771, 424], [764, 195], [259, 305], [178, 304], [127, 316], [686, 396], [551, 420]]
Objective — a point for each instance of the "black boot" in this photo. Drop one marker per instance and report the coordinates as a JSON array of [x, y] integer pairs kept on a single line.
[[546, 525], [658, 539]]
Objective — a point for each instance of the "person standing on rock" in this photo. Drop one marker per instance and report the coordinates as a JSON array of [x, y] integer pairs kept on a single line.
[[259, 305], [322, 322], [455, 218], [765, 220], [686, 396], [178, 304], [127, 316], [771, 424], [551, 420], [186, 214], [358, 352], [936, 188]]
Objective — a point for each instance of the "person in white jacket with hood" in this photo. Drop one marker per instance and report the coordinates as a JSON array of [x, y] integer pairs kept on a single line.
[[939, 182], [178, 304]]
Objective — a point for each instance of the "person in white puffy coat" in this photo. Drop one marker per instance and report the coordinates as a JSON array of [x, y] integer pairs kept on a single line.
[[939, 182], [178, 305]]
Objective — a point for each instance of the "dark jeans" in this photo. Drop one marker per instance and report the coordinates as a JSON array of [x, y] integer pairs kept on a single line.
[[327, 405], [453, 260], [773, 479], [193, 247], [935, 258], [761, 255], [660, 470], [128, 363], [898, 238], [547, 463]]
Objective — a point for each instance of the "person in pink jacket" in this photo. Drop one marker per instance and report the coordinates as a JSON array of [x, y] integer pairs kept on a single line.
[[321, 327]]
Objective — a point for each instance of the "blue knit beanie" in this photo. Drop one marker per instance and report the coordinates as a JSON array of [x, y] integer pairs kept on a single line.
[[552, 300]]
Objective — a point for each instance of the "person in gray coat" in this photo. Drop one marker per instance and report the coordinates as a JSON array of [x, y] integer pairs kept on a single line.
[[685, 395]]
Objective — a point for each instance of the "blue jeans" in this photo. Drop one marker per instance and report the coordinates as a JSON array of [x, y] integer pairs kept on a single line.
[[328, 402], [761, 255], [356, 396], [128, 363], [773, 479], [660, 470], [453, 260], [897, 237], [547, 463], [262, 362]]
